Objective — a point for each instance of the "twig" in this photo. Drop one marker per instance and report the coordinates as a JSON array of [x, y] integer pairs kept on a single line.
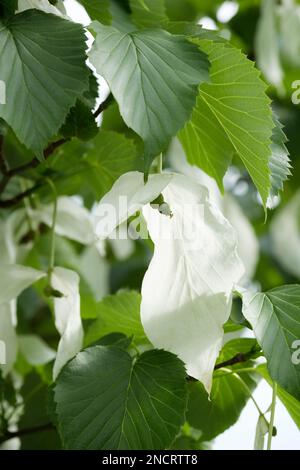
[[24, 432], [35, 162], [19, 197], [240, 357], [104, 105]]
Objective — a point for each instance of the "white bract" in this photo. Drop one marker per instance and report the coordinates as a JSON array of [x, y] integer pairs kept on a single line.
[[285, 236], [248, 246], [35, 350], [73, 221], [186, 292], [67, 316], [127, 196]]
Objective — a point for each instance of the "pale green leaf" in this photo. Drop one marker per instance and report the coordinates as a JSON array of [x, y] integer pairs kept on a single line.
[[232, 116], [154, 77], [149, 13], [275, 318], [107, 400], [280, 165], [97, 10]]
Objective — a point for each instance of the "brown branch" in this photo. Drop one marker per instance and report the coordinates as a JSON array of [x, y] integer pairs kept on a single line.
[[240, 357], [19, 197], [104, 105], [35, 162], [24, 432]]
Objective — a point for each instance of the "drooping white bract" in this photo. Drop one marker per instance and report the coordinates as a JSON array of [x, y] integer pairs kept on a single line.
[[186, 292], [73, 221], [127, 196], [248, 246], [67, 316], [35, 350], [14, 278], [285, 236]]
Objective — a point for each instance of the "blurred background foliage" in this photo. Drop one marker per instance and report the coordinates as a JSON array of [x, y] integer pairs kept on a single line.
[[269, 33]]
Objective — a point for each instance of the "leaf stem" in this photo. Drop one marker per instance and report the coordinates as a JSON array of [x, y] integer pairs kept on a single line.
[[54, 215], [159, 163], [272, 417]]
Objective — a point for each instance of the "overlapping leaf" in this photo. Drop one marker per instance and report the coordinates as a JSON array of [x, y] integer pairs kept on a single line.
[[232, 116]]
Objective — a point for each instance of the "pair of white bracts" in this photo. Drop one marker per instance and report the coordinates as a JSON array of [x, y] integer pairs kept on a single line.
[[187, 289]]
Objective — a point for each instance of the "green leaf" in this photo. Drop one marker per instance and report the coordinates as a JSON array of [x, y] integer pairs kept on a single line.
[[35, 397], [291, 404], [42, 62], [97, 10], [149, 13], [107, 400], [280, 165], [117, 340], [93, 167], [80, 123], [228, 396], [154, 77], [118, 313], [8, 7], [275, 318], [232, 116]]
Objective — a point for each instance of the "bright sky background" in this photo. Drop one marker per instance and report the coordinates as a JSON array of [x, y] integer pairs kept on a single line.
[[241, 435]]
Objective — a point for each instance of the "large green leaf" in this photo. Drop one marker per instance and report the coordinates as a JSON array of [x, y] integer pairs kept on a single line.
[[275, 318], [154, 77], [107, 400], [42, 62], [149, 13], [118, 313], [232, 115], [291, 404], [97, 10], [228, 395]]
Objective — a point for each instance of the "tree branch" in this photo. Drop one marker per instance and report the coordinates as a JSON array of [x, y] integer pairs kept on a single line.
[[104, 105], [35, 162], [19, 197], [24, 432]]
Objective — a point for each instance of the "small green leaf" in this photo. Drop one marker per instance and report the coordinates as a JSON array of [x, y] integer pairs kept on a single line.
[[107, 400], [80, 123], [232, 116], [291, 404], [280, 165]]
